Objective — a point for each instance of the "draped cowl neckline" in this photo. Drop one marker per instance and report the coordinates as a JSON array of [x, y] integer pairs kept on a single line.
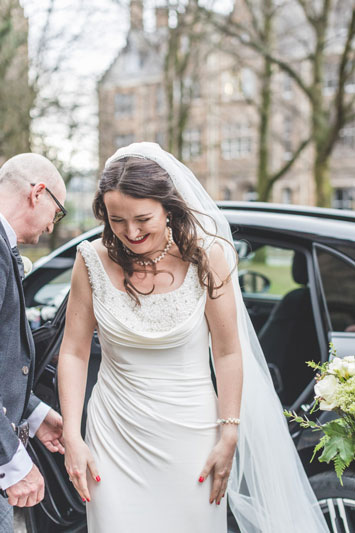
[[118, 332], [116, 313]]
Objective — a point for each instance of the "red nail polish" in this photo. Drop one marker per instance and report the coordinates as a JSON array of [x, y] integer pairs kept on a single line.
[[98, 478], [83, 499], [201, 479], [218, 503], [88, 499]]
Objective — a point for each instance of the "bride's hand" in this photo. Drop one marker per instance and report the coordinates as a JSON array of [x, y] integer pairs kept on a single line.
[[219, 463], [78, 459]]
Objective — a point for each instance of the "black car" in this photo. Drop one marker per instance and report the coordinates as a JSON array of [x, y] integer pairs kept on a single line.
[[297, 274]]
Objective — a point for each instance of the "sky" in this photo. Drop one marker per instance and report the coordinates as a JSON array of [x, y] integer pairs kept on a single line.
[[71, 45], [71, 48]]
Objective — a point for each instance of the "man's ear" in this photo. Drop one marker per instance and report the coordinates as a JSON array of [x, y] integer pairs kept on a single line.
[[36, 192]]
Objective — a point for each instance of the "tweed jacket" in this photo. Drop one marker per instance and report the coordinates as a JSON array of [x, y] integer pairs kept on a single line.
[[16, 353]]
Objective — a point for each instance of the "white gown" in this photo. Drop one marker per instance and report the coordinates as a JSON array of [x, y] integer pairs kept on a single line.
[[152, 414]]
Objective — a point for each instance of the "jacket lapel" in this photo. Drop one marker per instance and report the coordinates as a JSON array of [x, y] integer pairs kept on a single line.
[[28, 333]]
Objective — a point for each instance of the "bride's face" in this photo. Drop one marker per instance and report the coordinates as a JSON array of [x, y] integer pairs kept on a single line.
[[139, 223]]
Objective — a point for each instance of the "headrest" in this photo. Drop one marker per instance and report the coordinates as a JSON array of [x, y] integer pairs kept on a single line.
[[299, 268]]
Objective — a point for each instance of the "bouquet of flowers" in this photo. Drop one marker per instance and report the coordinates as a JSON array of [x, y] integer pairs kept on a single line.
[[334, 391]]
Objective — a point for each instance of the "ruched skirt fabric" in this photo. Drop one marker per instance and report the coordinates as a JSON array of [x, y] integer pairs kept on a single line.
[[151, 426]]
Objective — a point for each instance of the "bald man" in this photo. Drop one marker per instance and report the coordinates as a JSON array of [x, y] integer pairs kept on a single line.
[[32, 194]]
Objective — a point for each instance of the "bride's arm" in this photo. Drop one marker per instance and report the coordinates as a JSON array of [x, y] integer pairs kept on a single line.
[[221, 314], [72, 374]]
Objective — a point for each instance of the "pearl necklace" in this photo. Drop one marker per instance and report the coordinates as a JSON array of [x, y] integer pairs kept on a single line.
[[162, 255]]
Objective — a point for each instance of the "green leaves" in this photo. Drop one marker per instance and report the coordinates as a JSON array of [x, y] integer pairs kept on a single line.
[[304, 422], [318, 366], [337, 443]]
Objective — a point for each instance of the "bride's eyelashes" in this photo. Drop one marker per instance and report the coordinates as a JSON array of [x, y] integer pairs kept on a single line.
[[138, 220]]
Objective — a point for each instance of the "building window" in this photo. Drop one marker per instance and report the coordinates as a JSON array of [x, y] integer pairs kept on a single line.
[[227, 193], [160, 99], [124, 139], [236, 141], [160, 138], [287, 137], [286, 195], [230, 86], [192, 88], [238, 85], [250, 194], [331, 78], [124, 104], [191, 144], [350, 79], [347, 136], [287, 86], [343, 198]]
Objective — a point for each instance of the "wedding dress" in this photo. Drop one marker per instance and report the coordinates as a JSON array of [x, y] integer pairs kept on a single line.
[[152, 413]]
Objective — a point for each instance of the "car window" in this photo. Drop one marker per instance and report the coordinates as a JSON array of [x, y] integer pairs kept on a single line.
[[48, 299], [347, 250], [267, 269], [338, 281]]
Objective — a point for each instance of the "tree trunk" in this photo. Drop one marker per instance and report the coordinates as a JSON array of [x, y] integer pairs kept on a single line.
[[263, 186], [322, 181]]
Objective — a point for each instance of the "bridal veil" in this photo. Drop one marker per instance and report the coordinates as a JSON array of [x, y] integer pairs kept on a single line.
[[268, 490]]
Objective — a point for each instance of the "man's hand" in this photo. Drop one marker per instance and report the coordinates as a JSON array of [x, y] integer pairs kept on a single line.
[[29, 491], [50, 432]]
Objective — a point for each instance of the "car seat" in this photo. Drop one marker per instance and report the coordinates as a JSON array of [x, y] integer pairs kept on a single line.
[[288, 338]]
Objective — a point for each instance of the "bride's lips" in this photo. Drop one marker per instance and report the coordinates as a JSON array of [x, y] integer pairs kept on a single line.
[[138, 242]]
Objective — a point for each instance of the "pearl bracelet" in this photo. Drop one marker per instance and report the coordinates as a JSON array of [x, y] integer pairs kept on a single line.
[[229, 420]]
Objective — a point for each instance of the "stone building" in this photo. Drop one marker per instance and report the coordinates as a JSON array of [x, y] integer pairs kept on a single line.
[[220, 140]]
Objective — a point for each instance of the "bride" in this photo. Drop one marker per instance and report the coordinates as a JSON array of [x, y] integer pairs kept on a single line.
[[161, 453]]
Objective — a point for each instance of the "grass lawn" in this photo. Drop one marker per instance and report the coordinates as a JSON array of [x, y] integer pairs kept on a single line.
[[34, 252], [279, 276]]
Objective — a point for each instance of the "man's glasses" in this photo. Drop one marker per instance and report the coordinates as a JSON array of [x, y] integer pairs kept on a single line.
[[59, 214]]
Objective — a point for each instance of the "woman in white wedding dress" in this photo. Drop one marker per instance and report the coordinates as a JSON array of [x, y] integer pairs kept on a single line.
[[159, 447]]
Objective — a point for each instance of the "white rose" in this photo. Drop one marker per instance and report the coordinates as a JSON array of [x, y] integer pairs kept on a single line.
[[32, 314], [326, 389], [343, 367], [27, 264], [48, 312]]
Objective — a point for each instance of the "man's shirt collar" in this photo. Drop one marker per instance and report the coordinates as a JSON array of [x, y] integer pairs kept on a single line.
[[10, 233]]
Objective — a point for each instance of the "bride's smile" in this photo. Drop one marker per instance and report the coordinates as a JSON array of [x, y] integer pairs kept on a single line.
[[138, 240]]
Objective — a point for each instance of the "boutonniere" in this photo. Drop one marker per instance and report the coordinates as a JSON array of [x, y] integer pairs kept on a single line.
[[27, 264]]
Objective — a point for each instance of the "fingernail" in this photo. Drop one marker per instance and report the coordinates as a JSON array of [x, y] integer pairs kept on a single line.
[[83, 499], [201, 479], [98, 478], [218, 503], [211, 501], [88, 499]]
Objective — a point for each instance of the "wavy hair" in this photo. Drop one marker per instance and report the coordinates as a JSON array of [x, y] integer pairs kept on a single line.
[[143, 178]]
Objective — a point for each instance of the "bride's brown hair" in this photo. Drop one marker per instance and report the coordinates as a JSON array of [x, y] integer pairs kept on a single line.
[[143, 178]]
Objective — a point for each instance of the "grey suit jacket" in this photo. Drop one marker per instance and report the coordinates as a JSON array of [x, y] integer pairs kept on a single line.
[[16, 353]]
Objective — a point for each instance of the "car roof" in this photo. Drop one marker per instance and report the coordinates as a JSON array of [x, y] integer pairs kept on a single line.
[[332, 224], [309, 222], [88, 235]]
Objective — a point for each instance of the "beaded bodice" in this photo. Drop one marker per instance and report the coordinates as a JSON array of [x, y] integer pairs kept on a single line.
[[158, 312]]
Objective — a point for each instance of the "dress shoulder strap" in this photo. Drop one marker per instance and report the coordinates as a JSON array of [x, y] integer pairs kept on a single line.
[[94, 266]]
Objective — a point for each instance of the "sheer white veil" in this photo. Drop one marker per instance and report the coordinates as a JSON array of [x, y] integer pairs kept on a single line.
[[268, 490]]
